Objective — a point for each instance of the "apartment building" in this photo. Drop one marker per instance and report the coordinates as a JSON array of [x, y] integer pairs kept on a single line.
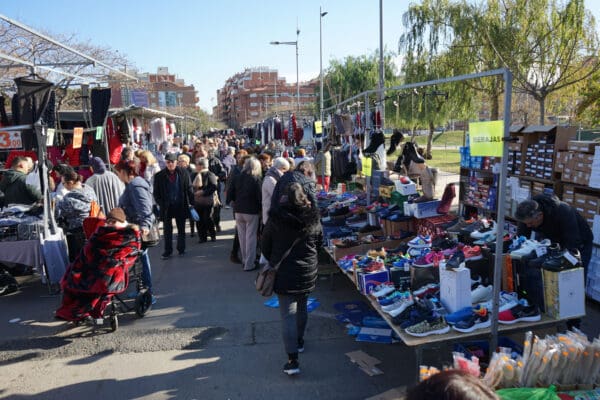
[[258, 93]]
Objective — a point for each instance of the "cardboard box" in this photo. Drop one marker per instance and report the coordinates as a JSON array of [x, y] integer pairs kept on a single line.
[[564, 293], [406, 188], [426, 209], [367, 282], [455, 288]]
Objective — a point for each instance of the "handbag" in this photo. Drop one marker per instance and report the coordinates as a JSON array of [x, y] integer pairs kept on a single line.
[[204, 201], [265, 280], [151, 238]]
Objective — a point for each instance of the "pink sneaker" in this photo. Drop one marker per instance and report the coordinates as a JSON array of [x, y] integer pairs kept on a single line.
[[431, 259]]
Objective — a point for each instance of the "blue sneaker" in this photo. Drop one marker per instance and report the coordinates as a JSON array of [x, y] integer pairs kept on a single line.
[[460, 315], [154, 299], [391, 298]]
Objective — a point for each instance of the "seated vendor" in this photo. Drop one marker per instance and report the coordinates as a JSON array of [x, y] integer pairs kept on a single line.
[[13, 187]]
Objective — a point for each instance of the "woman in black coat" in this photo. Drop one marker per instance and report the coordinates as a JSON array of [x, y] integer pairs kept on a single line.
[[293, 228]]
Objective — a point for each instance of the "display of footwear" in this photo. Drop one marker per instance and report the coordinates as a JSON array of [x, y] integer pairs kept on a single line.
[[472, 253], [520, 313], [567, 259], [391, 298], [487, 227], [431, 259], [486, 239], [456, 228], [292, 367], [553, 250], [443, 243], [457, 259], [403, 301], [416, 316], [481, 294], [432, 326], [416, 252], [420, 242], [478, 319], [506, 301], [516, 243]]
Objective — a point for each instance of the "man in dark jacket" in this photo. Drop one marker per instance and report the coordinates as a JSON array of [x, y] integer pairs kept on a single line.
[[216, 167], [557, 221], [173, 194], [13, 186]]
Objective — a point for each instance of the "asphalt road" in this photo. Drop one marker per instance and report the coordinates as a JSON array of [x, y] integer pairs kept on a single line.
[[209, 336]]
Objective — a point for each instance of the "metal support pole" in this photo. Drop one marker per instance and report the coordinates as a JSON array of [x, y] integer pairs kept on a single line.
[[381, 69], [498, 265], [321, 15], [297, 76]]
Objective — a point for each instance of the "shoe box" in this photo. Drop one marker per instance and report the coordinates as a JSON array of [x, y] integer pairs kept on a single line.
[[405, 188], [368, 281], [564, 293], [455, 288], [425, 209], [394, 227], [434, 225]]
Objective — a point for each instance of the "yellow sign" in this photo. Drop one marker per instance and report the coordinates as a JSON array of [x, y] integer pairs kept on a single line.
[[77, 137], [366, 166], [485, 138], [318, 127]]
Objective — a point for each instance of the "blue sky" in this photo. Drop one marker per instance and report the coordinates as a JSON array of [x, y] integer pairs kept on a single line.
[[206, 42]]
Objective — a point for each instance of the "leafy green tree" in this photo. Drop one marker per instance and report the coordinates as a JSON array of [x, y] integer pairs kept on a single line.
[[589, 107]]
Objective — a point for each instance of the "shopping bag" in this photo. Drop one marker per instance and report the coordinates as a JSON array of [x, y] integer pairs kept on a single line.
[[151, 238], [265, 280], [194, 214], [55, 253]]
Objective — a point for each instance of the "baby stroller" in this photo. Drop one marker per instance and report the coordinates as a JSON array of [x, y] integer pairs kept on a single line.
[[99, 273]]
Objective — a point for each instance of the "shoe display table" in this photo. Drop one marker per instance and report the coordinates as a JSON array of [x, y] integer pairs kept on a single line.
[[419, 344]]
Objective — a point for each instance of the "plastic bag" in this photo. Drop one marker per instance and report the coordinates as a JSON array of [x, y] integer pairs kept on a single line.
[[528, 394]]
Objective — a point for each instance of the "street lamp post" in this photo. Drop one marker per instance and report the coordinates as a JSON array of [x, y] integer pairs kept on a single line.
[[294, 43], [321, 15]]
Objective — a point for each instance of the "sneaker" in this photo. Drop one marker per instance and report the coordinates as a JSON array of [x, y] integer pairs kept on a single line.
[[391, 298], [478, 319], [457, 259], [472, 253], [396, 308], [291, 367], [488, 227], [415, 252], [300, 345], [456, 228], [420, 242], [443, 243], [416, 316], [383, 289], [486, 239], [520, 313], [567, 259], [529, 246], [433, 326], [430, 288], [459, 315], [516, 243], [431, 259], [481, 294], [165, 256], [507, 301]]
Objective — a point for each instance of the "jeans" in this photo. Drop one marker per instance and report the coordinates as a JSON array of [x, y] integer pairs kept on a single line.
[[146, 270], [294, 316]]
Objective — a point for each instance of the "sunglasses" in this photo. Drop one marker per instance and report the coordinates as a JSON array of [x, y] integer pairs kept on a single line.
[[170, 161]]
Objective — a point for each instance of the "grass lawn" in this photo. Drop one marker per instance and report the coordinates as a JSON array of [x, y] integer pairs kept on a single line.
[[445, 160], [449, 138]]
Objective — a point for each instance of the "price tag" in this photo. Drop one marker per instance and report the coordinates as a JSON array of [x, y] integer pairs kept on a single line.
[[99, 130], [567, 254], [50, 136], [366, 166], [541, 250], [318, 127], [77, 137], [10, 140]]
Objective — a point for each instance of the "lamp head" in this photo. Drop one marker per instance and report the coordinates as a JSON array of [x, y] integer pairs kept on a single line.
[[324, 13], [274, 42]]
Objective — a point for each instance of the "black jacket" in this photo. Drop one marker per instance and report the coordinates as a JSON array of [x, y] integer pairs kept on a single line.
[[246, 193], [297, 273], [294, 177], [161, 189], [562, 224], [15, 189]]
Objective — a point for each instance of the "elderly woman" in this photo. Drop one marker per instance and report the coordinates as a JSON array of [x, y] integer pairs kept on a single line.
[[205, 186], [73, 209], [245, 193], [280, 167]]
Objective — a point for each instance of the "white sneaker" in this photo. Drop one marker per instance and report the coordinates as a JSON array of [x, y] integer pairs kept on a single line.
[[403, 306], [481, 294], [489, 228], [529, 246], [383, 289], [507, 301]]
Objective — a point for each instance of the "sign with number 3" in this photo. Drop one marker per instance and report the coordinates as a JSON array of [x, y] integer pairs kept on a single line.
[[10, 140]]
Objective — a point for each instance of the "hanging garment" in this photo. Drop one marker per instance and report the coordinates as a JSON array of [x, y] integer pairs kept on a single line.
[[3, 116], [100, 101], [28, 105], [49, 116], [115, 146]]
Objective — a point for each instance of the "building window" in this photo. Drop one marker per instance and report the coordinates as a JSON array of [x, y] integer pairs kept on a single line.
[[254, 113], [253, 104], [253, 94]]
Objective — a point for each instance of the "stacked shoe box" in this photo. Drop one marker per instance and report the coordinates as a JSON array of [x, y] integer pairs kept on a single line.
[[577, 164], [587, 205], [539, 159], [564, 293]]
